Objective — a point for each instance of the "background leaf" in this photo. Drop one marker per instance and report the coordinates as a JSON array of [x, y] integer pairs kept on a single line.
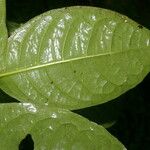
[[63, 60], [3, 32], [51, 129]]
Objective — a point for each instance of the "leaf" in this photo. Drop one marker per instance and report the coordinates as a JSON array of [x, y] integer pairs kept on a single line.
[[75, 57], [51, 129], [3, 31]]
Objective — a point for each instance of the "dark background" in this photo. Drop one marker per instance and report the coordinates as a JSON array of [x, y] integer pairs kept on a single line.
[[131, 111]]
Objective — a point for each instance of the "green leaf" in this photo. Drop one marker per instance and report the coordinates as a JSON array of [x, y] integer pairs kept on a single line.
[[51, 129], [75, 57], [3, 31]]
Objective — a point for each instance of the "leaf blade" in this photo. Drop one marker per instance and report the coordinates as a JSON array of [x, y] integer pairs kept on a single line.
[[42, 121], [64, 60]]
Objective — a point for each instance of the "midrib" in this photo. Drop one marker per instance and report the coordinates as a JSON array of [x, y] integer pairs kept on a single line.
[[21, 70]]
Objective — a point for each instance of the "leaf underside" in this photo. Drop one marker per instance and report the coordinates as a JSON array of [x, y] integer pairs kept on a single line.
[[51, 129], [74, 58]]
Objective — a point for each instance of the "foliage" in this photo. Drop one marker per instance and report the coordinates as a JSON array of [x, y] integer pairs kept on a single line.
[[61, 59]]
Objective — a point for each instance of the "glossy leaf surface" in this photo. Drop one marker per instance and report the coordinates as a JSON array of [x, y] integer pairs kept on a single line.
[[75, 57], [51, 129]]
